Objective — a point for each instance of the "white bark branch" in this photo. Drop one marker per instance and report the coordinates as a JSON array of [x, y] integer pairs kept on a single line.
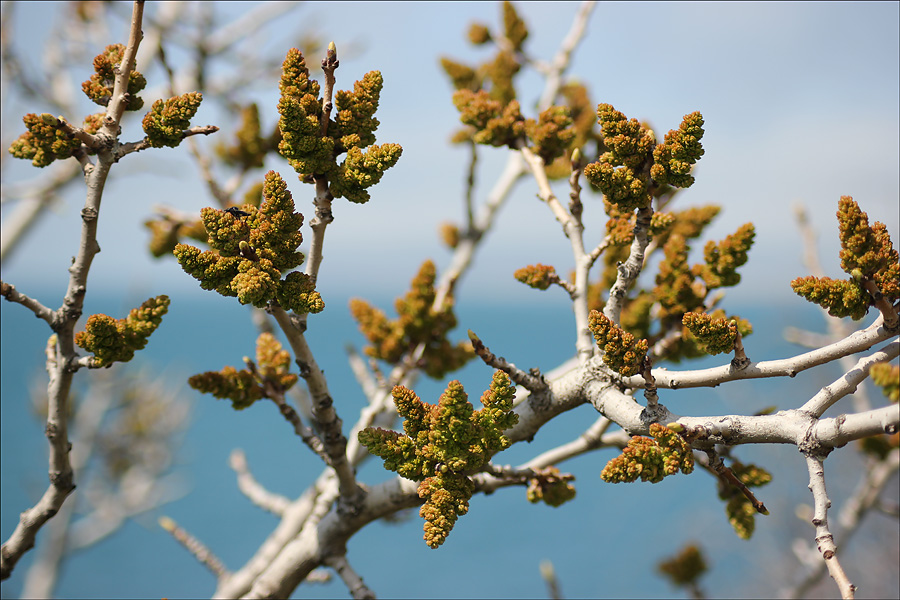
[[824, 539]]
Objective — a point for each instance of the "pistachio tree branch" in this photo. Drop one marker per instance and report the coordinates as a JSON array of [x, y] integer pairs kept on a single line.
[[292, 520], [13, 295], [60, 468], [118, 102], [130, 147], [532, 381], [309, 548], [856, 342], [260, 496], [848, 383], [563, 57], [195, 547], [824, 538], [327, 420], [482, 223], [290, 415], [629, 270], [355, 584], [323, 198], [34, 199], [875, 478], [574, 230]]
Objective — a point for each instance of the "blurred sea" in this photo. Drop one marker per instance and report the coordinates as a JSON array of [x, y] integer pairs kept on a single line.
[[599, 542]]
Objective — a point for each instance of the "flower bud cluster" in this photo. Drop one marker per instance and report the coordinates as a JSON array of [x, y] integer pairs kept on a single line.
[[43, 142], [633, 165], [116, 340], [166, 121], [551, 488], [248, 254], [538, 276], [311, 145], [246, 386], [418, 323], [99, 87], [887, 377], [620, 351], [867, 254], [442, 445], [685, 568], [713, 334], [675, 157], [250, 147], [651, 459]]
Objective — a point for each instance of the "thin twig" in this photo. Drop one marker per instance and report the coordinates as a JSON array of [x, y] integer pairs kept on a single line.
[[355, 584], [62, 477], [195, 547], [260, 496], [824, 538], [848, 383], [323, 411], [629, 270], [40, 311], [131, 147], [717, 465], [875, 478], [856, 342], [532, 381]]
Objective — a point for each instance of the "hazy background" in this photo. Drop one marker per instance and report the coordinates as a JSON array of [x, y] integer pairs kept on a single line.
[[801, 103]]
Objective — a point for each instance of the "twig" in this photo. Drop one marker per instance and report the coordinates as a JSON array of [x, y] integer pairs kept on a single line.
[[260, 496], [563, 57], [327, 419], [548, 574], [40, 311], [848, 383], [856, 342], [363, 376], [740, 360], [575, 206], [131, 147], [824, 538], [594, 437], [323, 198], [650, 389], [60, 467], [865, 498], [470, 188], [891, 319], [484, 219], [36, 198], [717, 465], [574, 230], [195, 547], [276, 395], [631, 268], [355, 584], [118, 102], [532, 381]]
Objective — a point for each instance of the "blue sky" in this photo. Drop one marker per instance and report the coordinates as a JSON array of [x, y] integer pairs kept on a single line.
[[801, 103]]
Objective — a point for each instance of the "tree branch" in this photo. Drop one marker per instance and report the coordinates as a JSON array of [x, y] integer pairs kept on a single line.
[[824, 539], [260, 496], [195, 547], [61, 472], [327, 419], [856, 342], [354, 582]]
